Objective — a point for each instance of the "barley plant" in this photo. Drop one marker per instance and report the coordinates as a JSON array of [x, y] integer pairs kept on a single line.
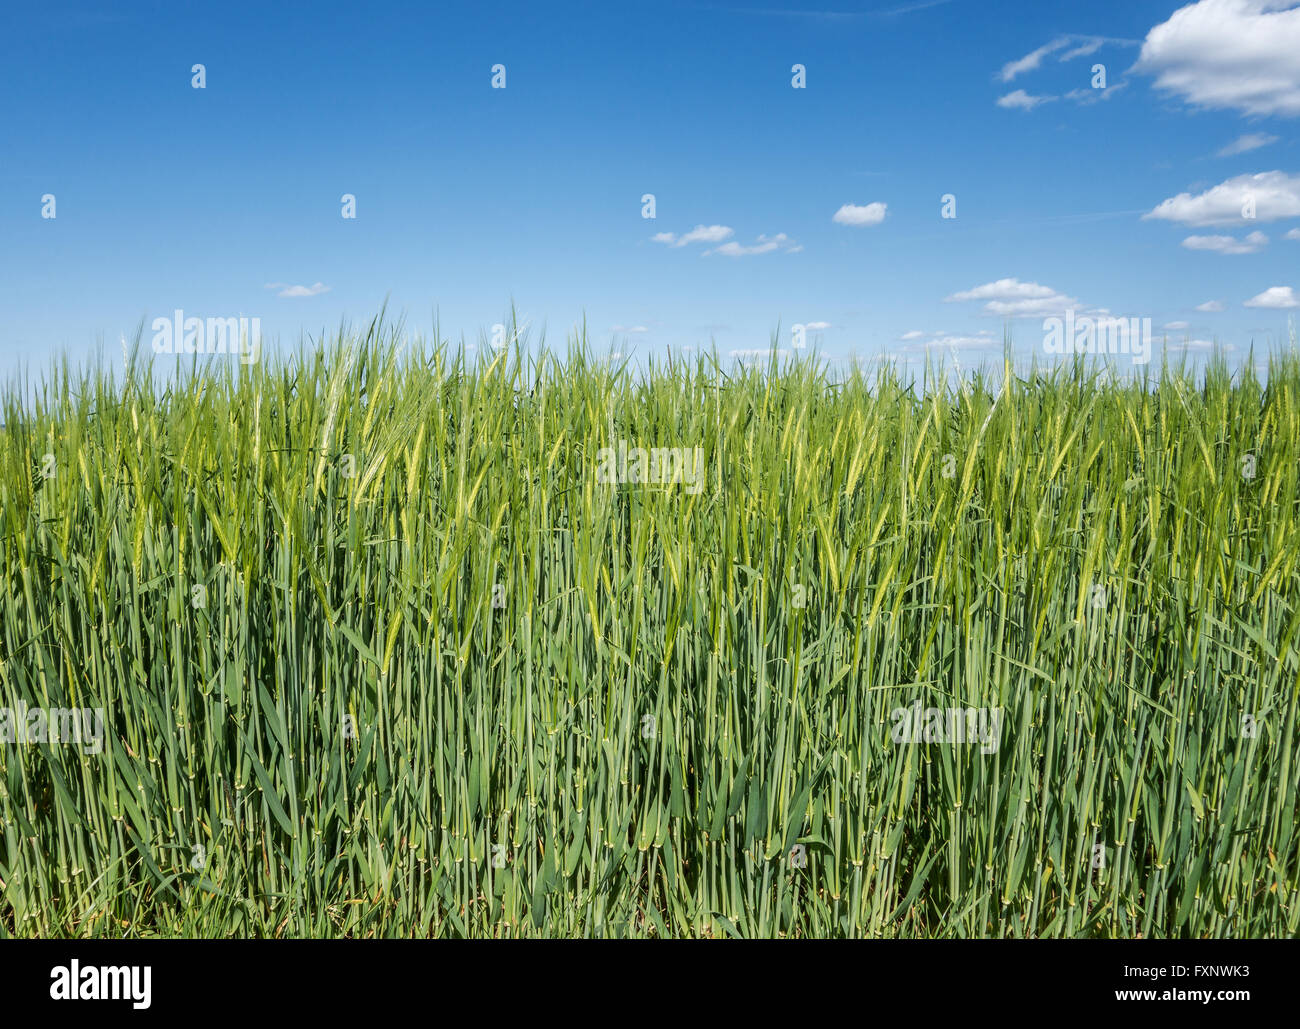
[[378, 655]]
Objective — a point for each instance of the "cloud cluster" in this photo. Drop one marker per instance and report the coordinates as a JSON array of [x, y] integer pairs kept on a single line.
[[1271, 195], [1086, 45], [1011, 298], [718, 233], [866, 214], [1252, 244], [1079, 46], [1241, 55]]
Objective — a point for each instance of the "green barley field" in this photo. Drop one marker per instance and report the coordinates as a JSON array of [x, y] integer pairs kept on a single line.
[[378, 652]]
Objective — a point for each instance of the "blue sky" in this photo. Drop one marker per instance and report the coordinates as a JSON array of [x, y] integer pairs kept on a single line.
[[1126, 199]]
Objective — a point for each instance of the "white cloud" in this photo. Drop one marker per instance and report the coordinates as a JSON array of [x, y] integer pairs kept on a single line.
[[817, 326], [1090, 96], [913, 334], [1227, 244], [1241, 55], [1244, 144], [718, 233], [1012, 298], [1276, 298], [765, 245], [1054, 304], [1198, 345], [869, 214], [1032, 59], [1004, 289], [952, 341], [1210, 306], [1293, 234], [982, 339], [1178, 326], [705, 234], [699, 234], [629, 328], [298, 291], [1275, 195], [1022, 100], [1083, 50]]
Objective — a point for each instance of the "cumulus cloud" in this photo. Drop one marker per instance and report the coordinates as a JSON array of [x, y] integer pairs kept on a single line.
[[1210, 306], [1241, 55], [298, 291], [1293, 234], [1277, 298], [1003, 289], [867, 214], [1022, 100], [1244, 144], [1274, 194], [1011, 298], [1227, 244]]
